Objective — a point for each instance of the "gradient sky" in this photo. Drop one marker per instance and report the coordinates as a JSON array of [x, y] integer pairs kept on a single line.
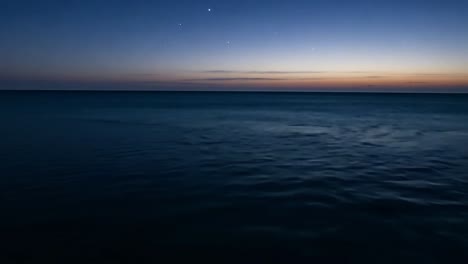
[[237, 44]]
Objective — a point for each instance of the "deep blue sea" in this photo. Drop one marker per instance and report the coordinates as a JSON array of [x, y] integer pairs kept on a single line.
[[197, 177]]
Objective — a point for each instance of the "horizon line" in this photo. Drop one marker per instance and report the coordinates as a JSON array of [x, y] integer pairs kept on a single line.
[[395, 91]]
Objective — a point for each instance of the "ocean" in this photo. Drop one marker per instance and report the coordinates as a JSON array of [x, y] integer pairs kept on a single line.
[[162, 177]]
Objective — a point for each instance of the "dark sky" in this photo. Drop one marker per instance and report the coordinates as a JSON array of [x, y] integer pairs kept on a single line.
[[242, 44]]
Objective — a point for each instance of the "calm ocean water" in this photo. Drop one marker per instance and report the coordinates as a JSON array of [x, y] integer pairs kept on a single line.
[[121, 177]]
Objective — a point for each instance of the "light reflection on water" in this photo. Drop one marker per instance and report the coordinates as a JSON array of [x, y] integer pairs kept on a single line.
[[315, 176]]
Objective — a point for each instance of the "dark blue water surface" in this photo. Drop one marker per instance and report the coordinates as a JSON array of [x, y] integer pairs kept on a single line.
[[130, 177]]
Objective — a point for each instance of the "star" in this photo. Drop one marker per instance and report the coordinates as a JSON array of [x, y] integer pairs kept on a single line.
[[209, 9]]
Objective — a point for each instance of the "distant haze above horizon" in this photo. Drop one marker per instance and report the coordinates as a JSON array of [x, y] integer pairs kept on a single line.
[[234, 45]]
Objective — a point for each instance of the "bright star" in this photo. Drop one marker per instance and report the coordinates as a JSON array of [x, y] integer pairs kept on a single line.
[[209, 9]]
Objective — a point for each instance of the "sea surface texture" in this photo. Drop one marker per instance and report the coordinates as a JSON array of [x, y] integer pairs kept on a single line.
[[141, 177]]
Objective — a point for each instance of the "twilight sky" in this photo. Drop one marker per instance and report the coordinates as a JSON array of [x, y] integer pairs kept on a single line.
[[234, 45]]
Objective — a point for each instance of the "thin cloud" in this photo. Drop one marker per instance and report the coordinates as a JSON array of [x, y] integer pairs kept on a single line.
[[334, 72], [434, 74], [284, 72], [311, 79], [219, 71], [236, 79], [375, 77], [264, 72], [419, 83]]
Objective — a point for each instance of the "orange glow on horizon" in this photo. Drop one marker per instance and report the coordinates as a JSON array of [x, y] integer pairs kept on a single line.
[[274, 79]]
